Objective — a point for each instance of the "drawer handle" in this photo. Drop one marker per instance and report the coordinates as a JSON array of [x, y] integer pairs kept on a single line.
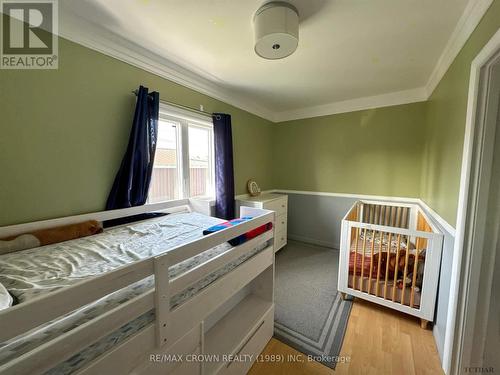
[[246, 342], [283, 222], [282, 206]]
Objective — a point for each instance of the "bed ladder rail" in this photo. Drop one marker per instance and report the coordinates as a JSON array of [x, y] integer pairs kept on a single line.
[[162, 299]]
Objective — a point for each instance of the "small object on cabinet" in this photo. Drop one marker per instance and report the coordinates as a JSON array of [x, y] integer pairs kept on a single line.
[[253, 188]]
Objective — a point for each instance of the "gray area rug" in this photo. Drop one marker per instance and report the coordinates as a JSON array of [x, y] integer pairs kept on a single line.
[[310, 314]]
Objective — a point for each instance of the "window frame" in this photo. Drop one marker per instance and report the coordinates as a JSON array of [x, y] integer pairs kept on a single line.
[[186, 119]]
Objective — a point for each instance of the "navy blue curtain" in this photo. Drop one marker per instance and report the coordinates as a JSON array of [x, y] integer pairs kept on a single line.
[[131, 184], [224, 172]]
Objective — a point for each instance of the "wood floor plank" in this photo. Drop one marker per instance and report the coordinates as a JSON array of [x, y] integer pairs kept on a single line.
[[378, 341]]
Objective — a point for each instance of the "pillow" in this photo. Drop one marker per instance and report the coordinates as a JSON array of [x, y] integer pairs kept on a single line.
[[22, 242], [242, 238], [5, 298], [132, 219], [49, 236]]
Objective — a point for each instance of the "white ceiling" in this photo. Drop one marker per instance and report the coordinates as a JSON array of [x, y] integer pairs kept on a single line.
[[348, 49]]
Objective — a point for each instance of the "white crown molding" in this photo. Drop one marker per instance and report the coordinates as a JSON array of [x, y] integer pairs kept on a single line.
[[472, 15], [369, 102], [96, 37]]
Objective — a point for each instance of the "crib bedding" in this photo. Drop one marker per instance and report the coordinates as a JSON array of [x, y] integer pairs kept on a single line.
[[376, 246], [35, 272], [365, 264]]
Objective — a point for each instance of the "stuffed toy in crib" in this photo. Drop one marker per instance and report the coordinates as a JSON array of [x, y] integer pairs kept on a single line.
[[372, 263]]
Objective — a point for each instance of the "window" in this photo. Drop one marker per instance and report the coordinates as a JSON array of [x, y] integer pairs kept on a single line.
[[184, 159]]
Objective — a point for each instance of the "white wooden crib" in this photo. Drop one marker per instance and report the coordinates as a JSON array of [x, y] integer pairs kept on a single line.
[[390, 254]]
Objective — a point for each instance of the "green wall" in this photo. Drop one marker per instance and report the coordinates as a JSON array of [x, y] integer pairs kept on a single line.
[[376, 151], [445, 126], [418, 146], [64, 132]]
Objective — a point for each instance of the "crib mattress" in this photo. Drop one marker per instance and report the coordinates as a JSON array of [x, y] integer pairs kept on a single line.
[[35, 272]]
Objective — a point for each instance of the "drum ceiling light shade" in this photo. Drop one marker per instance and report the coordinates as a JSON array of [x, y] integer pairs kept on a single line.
[[276, 30]]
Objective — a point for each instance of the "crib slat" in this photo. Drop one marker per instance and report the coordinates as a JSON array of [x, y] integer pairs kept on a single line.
[[387, 264], [403, 217], [407, 257], [396, 268], [356, 238], [379, 264], [371, 263], [363, 261], [407, 221], [415, 268]]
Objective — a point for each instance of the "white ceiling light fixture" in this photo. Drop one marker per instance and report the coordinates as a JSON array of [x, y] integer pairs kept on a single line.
[[276, 30]]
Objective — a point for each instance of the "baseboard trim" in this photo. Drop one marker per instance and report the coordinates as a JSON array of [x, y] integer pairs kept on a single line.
[[439, 339], [313, 241]]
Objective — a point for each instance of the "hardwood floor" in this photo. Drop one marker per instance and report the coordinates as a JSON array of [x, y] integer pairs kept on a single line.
[[377, 341]]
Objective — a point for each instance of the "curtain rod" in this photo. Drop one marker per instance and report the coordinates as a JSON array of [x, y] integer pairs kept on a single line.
[[135, 92]]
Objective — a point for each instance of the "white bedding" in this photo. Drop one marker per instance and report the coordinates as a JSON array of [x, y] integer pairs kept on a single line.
[[5, 298], [30, 273]]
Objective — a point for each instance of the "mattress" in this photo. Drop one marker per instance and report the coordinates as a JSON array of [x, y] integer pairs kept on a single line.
[[30, 273]]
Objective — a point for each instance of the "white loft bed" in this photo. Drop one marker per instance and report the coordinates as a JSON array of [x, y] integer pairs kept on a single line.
[[233, 315]]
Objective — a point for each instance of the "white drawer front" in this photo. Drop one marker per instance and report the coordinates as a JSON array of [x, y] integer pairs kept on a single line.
[[280, 240], [190, 366], [252, 348], [172, 359], [278, 205], [280, 223]]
